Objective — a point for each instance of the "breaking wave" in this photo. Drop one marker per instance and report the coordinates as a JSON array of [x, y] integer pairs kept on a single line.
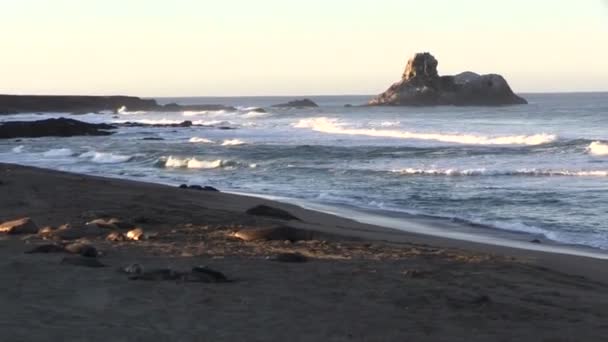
[[484, 172], [58, 152], [598, 148], [200, 140], [333, 126], [105, 157], [193, 163], [18, 149], [233, 142]]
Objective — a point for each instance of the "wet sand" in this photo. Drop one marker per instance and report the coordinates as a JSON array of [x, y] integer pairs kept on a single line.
[[360, 283]]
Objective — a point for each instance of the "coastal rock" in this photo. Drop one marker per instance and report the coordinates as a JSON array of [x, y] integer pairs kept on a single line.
[[20, 226], [421, 85], [60, 127], [304, 103], [174, 107], [13, 104]]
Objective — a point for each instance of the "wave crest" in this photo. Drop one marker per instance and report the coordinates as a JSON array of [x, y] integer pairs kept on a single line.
[[484, 172], [200, 140], [333, 126], [58, 152], [233, 142], [598, 148], [105, 157]]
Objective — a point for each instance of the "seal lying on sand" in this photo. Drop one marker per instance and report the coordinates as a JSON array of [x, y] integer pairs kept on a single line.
[[82, 261], [281, 233], [80, 248], [267, 211], [199, 274]]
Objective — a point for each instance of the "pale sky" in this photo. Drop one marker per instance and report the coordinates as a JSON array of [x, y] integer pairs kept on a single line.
[[294, 47]]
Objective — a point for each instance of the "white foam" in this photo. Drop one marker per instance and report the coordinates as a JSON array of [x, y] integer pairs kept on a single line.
[[598, 148], [233, 142], [58, 152], [203, 112], [105, 157], [18, 149], [333, 126], [484, 172], [192, 163], [200, 140], [253, 115]]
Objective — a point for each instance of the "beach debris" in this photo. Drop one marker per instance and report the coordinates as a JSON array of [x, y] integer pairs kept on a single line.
[[280, 233], [199, 187], [264, 210], [136, 234], [82, 261], [19, 226], [290, 257]]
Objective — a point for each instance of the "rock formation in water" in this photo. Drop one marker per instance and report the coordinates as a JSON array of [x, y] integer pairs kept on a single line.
[[304, 103], [61, 127], [421, 85]]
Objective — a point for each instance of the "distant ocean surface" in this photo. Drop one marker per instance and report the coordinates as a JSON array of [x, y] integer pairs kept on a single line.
[[539, 169]]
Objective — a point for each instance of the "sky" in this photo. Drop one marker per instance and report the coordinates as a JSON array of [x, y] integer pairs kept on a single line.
[[294, 47]]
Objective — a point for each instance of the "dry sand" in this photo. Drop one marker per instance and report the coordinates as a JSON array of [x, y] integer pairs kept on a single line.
[[361, 283]]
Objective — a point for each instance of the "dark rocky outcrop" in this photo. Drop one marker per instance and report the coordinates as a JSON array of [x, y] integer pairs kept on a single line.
[[174, 107], [304, 103], [15, 104], [421, 85], [61, 127], [71, 104]]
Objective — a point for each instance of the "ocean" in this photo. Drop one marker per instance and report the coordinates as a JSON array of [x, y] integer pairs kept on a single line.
[[538, 170]]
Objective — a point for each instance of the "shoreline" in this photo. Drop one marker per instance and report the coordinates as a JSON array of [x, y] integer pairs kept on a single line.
[[362, 225]]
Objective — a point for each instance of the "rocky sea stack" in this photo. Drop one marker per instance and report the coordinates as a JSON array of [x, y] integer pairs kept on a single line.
[[421, 85]]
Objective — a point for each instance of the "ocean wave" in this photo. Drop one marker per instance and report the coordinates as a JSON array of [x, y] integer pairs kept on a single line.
[[105, 157], [18, 149], [123, 111], [232, 142], [200, 140], [203, 112], [194, 163], [333, 126], [58, 152], [253, 115], [598, 148], [484, 172]]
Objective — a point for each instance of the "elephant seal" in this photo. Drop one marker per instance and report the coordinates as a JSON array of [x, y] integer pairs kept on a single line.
[[290, 257], [47, 248], [83, 249], [82, 261], [204, 274], [267, 211]]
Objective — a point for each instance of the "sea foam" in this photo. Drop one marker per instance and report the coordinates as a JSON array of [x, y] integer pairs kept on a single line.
[[484, 172], [58, 152], [333, 126], [105, 157], [598, 148], [200, 140], [233, 142]]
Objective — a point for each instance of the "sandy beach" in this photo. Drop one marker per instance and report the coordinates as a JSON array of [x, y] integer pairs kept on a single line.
[[354, 282]]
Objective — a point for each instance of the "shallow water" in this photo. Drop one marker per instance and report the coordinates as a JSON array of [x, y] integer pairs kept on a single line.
[[540, 168]]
